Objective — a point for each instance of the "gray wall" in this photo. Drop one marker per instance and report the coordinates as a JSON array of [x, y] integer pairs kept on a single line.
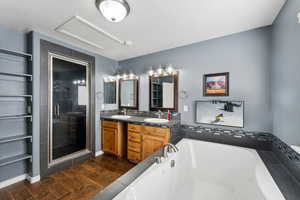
[[286, 74], [17, 41], [245, 55]]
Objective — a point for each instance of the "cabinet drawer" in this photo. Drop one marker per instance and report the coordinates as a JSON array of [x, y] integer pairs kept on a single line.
[[156, 131], [134, 127], [133, 146], [135, 137], [133, 156], [109, 124]]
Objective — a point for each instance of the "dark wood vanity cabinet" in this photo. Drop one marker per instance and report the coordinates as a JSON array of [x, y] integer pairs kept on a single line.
[[113, 138]]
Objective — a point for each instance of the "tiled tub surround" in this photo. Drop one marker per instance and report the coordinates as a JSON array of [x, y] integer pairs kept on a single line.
[[271, 150], [238, 137]]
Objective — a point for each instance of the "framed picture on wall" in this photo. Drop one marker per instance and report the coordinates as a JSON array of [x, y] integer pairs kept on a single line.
[[216, 84]]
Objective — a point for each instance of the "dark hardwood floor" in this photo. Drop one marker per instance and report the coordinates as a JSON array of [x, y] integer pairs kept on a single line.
[[80, 182]]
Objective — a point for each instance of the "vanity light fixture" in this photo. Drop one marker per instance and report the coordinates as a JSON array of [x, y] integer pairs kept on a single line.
[[163, 71], [108, 79], [113, 10], [117, 77]]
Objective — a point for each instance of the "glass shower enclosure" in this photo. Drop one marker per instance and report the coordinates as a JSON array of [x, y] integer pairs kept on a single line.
[[68, 108]]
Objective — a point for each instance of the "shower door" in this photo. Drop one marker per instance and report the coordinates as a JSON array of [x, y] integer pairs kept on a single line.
[[68, 108]]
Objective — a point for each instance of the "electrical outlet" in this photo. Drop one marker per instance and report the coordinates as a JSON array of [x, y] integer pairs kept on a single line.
[[185, 108]]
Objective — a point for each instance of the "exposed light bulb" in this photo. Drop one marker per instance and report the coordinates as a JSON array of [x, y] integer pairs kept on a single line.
[[160, 70], [151, 72], [170, 69], [118, 76], [131, 76], [124, 76]]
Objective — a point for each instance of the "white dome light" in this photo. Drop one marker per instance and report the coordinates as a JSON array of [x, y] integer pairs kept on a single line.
[[113, 10]]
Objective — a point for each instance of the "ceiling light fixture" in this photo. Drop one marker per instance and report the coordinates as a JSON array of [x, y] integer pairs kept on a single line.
[[113, 10]]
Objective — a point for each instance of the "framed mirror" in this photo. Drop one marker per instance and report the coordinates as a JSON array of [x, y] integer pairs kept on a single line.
[[110, 92], [128, 94], [163, 93]]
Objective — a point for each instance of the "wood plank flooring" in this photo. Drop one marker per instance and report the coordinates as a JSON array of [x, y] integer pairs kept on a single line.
[[80, 182]]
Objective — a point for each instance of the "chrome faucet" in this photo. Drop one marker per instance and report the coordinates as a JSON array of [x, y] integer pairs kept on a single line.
[[159, 113], [169, 148], [124, 111]]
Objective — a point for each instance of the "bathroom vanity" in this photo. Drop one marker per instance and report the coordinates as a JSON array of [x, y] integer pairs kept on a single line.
[[132, 141], [133, 138]]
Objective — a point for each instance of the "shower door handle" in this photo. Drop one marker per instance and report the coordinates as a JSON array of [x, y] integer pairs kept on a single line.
[[54, 111], [57, 110]]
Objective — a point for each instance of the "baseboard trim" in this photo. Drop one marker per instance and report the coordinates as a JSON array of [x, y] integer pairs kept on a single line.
[[98, 153], [33, 179], [13, 180]]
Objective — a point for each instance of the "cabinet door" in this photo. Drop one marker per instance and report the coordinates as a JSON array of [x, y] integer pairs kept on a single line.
[[151, 144], [109, 140]]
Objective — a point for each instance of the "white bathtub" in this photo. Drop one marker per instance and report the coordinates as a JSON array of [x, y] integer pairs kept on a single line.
[[205, 171]]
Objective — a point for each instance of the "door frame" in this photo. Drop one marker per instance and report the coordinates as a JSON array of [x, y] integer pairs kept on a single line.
[[47, 47], [79, 153]]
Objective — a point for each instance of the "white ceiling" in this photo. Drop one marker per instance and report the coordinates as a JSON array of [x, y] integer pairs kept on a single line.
[[153, 25]]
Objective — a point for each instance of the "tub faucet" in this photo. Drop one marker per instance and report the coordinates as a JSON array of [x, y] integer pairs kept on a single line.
[[169, 148]]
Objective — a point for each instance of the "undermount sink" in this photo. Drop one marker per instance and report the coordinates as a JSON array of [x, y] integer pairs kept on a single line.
[[120, 116], [156, 120]]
